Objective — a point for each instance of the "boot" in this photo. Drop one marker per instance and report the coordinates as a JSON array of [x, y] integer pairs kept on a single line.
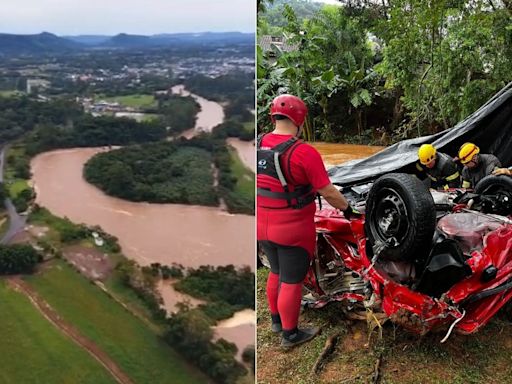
[[298, 336]]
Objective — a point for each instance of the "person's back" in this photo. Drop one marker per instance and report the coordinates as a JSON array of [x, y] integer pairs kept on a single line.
[[302, 166], [289, 173]]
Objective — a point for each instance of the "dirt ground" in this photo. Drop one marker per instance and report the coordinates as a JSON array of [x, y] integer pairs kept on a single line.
[[484, 357], [91, 262]]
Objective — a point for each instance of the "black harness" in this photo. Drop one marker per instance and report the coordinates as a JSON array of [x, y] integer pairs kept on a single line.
[[270, 164]]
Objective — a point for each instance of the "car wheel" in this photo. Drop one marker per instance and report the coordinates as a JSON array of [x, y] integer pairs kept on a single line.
[[493, 184], [262, 260], [400, 217]]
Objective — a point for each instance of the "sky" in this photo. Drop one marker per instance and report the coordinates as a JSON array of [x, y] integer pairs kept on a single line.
[[110, 17]]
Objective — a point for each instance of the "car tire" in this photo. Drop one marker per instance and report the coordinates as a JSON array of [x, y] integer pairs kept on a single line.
[[400, 218], [494, 183], [262, 259]]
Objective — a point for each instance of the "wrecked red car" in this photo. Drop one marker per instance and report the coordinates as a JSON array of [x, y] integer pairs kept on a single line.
[[425, 259]]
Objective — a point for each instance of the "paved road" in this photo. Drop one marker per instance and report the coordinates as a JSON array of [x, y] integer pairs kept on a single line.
[[16, 222]]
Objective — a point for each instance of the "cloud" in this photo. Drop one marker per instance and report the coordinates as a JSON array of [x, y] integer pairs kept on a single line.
[[130, 16]]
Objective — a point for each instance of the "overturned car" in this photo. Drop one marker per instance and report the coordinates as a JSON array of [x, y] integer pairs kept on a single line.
[[424, 259]]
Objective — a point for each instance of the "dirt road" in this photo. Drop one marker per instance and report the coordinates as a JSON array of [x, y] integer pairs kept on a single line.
[[53, 317]]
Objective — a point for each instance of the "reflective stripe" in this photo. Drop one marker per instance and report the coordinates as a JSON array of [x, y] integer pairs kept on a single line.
[[453, 177], [278, 170], [446, 187], [466, 184], [418, 167], [431, 177]]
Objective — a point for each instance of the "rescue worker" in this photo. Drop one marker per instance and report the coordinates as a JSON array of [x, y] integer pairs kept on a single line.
[[476, 164], [289, 174], [439, 168]]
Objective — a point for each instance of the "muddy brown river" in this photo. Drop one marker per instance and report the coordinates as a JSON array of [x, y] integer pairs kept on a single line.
[[335, 154], [148, 233]]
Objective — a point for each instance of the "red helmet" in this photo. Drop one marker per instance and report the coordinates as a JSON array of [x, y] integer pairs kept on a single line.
[[290, 106]]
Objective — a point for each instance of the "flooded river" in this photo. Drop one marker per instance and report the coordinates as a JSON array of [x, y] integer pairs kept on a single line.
[[149, 233], [210, 115], [335, 154], [246, 151]]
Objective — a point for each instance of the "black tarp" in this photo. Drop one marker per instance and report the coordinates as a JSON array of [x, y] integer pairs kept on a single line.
[[490, 127]]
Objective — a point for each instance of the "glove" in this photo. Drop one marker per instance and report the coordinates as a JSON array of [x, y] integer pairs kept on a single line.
[[350, 212]]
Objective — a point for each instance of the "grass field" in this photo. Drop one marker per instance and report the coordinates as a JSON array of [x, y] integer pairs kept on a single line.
[[249, 125], [135, 100], [483, 357], [245, 183], [127, 340], [10, 93], [34, 351]]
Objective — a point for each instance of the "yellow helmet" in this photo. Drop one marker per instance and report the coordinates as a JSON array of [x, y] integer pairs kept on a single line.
[[426, 153], [467, 152]]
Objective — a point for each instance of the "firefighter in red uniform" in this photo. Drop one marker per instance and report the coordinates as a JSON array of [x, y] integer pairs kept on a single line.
[[290, 173]]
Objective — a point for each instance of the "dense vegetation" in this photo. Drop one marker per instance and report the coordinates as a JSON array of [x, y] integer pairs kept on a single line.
[[91, 131], [371, 71], [167, 172], [178, 113], [18, 258], [190, 330], [225, 289], [190, 333], [174, 172]]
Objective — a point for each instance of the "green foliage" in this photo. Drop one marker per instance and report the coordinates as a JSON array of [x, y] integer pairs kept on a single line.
[[167, 172], [190, 333], [18, 258], [88, 131], [178, 113], [221, 287], [21, 115], [249, 357], [405, 67]]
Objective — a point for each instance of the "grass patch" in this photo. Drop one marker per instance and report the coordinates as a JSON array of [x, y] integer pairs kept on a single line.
[[249, 126], [244, 176], [126, 339], [34, 351], [118, 289], [483, 357], [134, 101], [10, 93], [16, 186]]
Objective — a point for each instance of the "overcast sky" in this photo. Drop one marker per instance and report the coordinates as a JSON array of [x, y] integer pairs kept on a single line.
[[73, 17]]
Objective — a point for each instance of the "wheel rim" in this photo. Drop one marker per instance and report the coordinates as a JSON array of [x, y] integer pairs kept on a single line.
[[390, 220]]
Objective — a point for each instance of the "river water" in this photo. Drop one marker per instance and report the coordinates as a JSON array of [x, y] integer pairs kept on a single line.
[[148, 233], [335, 154], [210, 115]]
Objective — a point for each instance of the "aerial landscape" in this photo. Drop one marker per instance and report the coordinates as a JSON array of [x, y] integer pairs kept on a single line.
[[127, 233]]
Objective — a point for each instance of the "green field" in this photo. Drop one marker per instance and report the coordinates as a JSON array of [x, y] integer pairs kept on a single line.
[[127, 340], [34, 351], [135, 101], [249, 125], [245, 177], [9, 93]]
